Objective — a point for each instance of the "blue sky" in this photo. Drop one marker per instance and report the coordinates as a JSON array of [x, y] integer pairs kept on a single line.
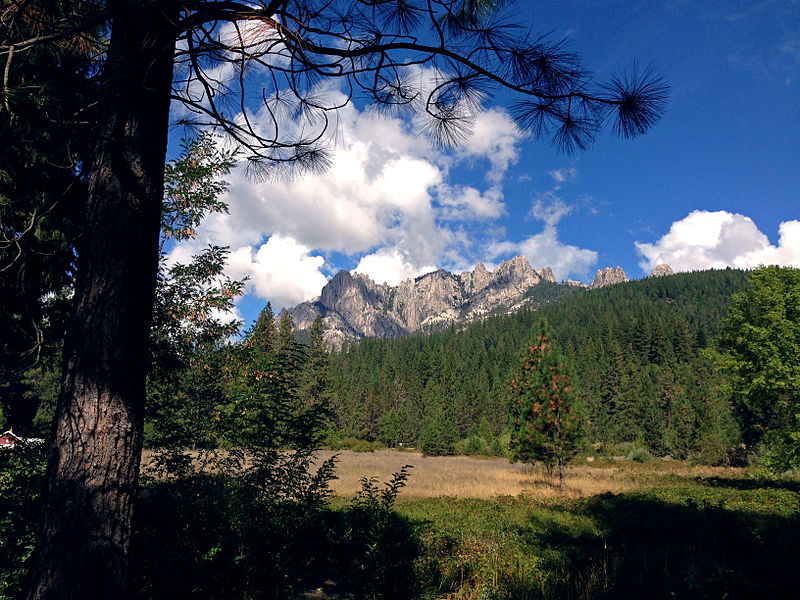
[[715, 183]]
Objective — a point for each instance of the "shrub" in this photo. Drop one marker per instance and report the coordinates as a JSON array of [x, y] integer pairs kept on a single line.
[[22, 472], [356, 445], [639, 454]]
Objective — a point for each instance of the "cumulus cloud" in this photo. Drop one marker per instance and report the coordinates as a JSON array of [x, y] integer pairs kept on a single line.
[[715, 240], [386, 201], [390, 265], [545, 249], [281, 269], [468, 203], [496, 138]]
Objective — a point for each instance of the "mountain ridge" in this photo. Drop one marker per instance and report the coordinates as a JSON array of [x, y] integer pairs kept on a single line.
[[354, 307]]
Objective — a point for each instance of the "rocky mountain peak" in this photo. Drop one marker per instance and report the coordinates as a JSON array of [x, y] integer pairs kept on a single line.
[[574, 283], [343, 288], [546, 274], [662, 270], [353, 306], [608, 276], [477, 279]]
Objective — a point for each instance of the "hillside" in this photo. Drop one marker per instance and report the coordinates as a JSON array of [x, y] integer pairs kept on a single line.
[[353, 307], [635, 347]]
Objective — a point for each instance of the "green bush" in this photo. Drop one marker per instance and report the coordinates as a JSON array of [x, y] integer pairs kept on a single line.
[[639, 454], [227, 541], [482, 442], [472, 446], [356, 445], [373, 547], [22, 471]]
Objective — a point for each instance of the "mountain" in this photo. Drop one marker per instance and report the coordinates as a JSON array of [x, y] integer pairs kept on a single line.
[[608, 276], [662, 270], [636, 349], [354, 307]]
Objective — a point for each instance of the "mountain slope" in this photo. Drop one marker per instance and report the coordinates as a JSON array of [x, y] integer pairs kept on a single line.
[[354, 307], [635, 347]]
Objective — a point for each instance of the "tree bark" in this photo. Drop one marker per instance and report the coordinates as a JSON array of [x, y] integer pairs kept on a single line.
[[93, 468], [562, 474]]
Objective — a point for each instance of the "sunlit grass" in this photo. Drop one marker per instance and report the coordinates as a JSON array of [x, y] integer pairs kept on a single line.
[[471, 477]]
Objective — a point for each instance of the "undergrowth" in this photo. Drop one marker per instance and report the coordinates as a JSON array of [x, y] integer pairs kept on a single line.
[[207, 536]]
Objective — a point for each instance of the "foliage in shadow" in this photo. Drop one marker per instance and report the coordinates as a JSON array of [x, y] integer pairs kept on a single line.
[[739, 483], [21, 482], [647, 547], [208, 537]]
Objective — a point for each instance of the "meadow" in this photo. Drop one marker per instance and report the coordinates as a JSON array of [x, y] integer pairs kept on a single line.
[[486, 529], [476, 477], [461, 528]]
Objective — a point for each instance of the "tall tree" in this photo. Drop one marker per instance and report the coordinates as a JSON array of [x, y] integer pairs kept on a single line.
[[371, 47], [45, 148], [548, 421], [264, 332], [759, 348], [315, 375], [187, 328]]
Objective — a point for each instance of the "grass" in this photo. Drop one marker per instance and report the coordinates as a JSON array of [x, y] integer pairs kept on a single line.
[[464, 529], [467, 528], [689, 541], [488, 529], [471, 477]]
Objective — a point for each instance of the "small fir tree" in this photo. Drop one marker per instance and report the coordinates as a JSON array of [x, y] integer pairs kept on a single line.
[[264, 332], [548, 422], [392, 428]]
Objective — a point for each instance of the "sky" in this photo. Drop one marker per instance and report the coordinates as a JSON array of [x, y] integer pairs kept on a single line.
[[715, 183]]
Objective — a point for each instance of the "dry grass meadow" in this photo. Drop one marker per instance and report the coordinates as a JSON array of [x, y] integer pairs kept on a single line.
[[474, 477], [466, 476]]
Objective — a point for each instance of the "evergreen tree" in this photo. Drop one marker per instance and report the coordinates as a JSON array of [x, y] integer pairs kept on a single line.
[[315, 375], [548, 420], [439, 433], [392, 428], [759, 348], [263, 335]]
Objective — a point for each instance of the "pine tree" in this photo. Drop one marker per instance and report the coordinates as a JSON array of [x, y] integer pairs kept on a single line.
[[315, 380], [438, 434], [264, 333], [548, 420], [759, 348]]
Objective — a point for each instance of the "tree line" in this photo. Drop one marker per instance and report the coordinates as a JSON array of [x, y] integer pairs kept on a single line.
[[639, 352]]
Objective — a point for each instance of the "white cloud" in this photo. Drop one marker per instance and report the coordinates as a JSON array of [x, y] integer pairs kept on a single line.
[[390, 265], [468, 203], [550, 209], [377, 192], [386, 200], [561, 176], [714, 240], [544, 249], [282, 270], [495, 137]]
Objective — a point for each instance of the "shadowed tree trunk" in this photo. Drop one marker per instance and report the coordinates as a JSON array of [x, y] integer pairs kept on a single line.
[[94, 459]]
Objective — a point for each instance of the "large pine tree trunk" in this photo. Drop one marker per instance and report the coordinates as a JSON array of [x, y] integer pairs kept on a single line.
[[93, 469], [562, 474]]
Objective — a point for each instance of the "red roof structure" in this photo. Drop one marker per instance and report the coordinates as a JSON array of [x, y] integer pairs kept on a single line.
[[8, 438]]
